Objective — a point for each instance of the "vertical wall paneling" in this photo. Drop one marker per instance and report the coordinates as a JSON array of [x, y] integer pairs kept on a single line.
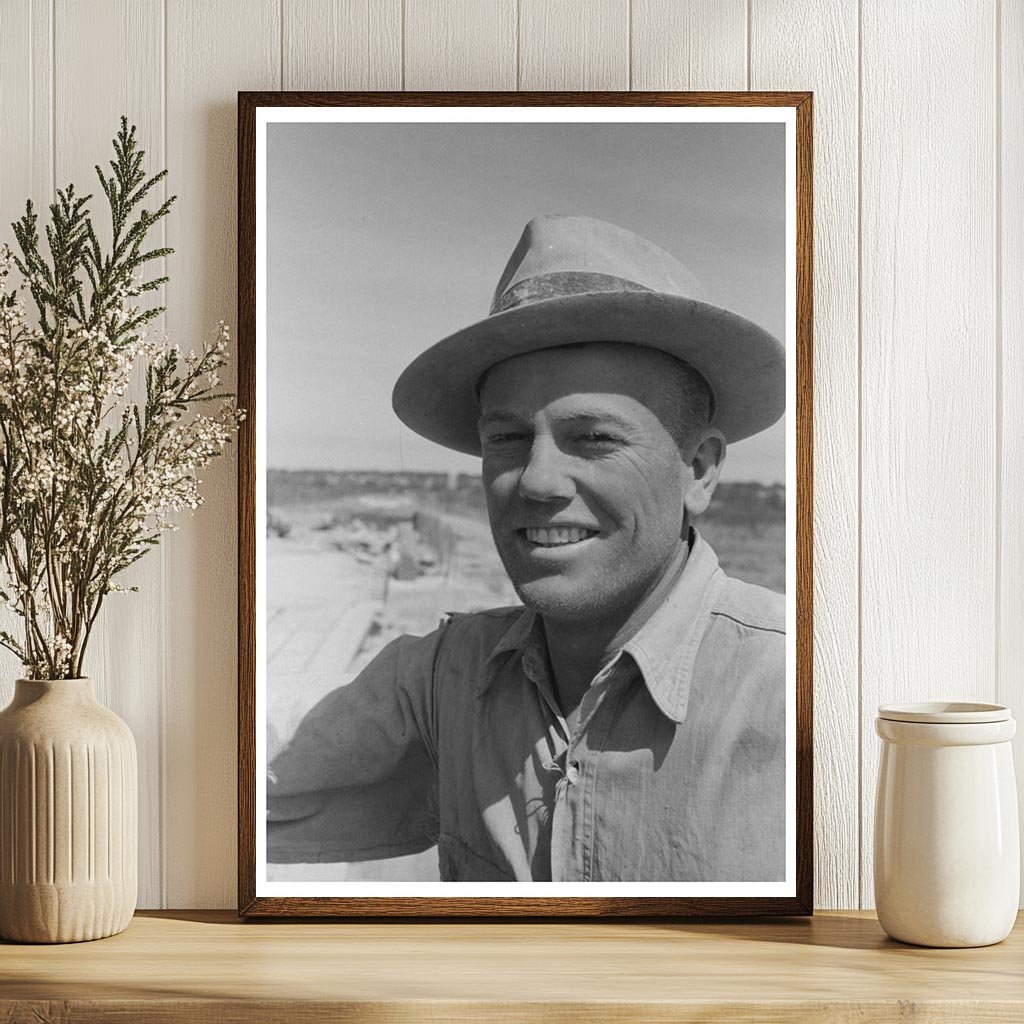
[[917, 517], [928, 514], [342, 44], [574, 44], [26, 103], [689, 44], [213, 51], [468, 45], [1010, 178], [814, 46], [122, 658], [26, 130]]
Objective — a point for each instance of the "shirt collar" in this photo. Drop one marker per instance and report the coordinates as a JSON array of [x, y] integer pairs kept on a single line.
[[664, 648], [525, 636]]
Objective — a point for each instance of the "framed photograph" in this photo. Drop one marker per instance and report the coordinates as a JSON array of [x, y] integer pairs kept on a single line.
[[525, 504]]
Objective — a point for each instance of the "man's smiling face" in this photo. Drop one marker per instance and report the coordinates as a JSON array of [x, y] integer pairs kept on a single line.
[[586, 484]]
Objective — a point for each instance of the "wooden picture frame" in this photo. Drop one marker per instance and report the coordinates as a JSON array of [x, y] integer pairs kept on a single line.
[[259, 898]]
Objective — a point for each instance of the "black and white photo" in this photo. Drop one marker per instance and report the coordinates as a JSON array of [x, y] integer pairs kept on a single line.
[[525, 566]]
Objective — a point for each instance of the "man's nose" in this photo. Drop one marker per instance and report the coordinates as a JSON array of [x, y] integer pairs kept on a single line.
[[546, 476]]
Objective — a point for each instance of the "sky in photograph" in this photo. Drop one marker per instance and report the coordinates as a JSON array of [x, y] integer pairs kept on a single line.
[[385, 238]]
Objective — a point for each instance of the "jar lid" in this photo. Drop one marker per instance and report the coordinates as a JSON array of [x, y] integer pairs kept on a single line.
[[945, 712]]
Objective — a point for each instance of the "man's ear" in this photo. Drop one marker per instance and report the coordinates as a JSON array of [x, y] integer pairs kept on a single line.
[[705, 457]]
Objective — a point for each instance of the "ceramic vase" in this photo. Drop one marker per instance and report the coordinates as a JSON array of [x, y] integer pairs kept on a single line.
[[947, 847], [68, 815]]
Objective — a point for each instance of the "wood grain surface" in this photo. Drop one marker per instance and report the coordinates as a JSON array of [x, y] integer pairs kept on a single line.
[[689, 44], [574, 44], [26, 128], [207, 966], [928, 367], [471, 44], [342, 44], [1010, 369], [229, 45], [831, 72], [133, 679]]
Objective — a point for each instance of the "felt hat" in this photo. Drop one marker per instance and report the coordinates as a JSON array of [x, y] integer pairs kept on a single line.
[[577, 279]]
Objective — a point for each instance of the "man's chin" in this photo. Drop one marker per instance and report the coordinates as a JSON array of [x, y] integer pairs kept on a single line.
[[558, 599]]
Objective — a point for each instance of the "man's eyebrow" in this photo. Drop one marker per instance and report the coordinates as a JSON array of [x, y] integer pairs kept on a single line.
[[598, 416], [584, 414], [499, 416]]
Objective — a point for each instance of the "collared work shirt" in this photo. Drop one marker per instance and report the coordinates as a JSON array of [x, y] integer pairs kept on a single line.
[[675, 771]]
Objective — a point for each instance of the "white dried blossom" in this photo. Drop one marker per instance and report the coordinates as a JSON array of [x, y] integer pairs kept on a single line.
[[60, 410], [95, 457]]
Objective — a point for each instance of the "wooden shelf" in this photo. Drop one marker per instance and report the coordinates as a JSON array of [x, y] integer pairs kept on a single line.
[[201, 966]]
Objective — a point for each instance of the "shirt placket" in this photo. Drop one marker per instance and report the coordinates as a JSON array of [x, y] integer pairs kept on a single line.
[[575, 791], [537, 672]]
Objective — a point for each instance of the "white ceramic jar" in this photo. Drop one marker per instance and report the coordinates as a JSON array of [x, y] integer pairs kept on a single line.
[[947, 847]]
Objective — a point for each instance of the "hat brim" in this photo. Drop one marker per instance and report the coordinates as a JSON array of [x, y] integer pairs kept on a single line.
[[744, 365]]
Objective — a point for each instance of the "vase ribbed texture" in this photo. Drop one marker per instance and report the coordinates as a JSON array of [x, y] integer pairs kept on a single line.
[[68, 815]]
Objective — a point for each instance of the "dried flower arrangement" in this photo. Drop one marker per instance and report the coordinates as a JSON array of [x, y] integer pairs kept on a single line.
[[87, 478]]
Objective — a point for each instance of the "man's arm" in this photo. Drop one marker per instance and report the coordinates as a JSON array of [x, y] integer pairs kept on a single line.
[[357, 780]]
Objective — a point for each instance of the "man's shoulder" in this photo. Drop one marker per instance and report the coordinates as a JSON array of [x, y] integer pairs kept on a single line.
[[466, 641], [486, 626], [741, 660], [750, 605], [485, 618]]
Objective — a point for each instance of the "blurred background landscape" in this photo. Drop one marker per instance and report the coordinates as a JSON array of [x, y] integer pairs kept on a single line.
[[393, 552], [356, 558]]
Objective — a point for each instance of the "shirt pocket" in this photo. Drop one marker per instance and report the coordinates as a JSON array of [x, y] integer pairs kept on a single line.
[[459, 863]]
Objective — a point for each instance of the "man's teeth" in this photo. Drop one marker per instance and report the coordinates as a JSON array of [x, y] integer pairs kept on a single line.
[[551, 536]]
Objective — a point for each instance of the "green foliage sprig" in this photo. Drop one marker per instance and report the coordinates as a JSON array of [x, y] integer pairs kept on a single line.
[[87, 478]]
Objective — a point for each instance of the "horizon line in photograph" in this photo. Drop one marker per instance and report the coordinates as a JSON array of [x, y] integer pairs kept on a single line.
[[447, 526], [453, 475]]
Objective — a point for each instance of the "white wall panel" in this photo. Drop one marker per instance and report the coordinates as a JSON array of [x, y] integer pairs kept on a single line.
[[1010, 313], [689, 44], [342, 44], [573, 44], [213, 51], [470, 44], [919, 550], [928, 404], [127, 666], [814, 46], [26, 103], [26, 169]]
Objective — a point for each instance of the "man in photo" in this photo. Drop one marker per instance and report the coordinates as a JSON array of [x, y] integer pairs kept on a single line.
[[627, 723]]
